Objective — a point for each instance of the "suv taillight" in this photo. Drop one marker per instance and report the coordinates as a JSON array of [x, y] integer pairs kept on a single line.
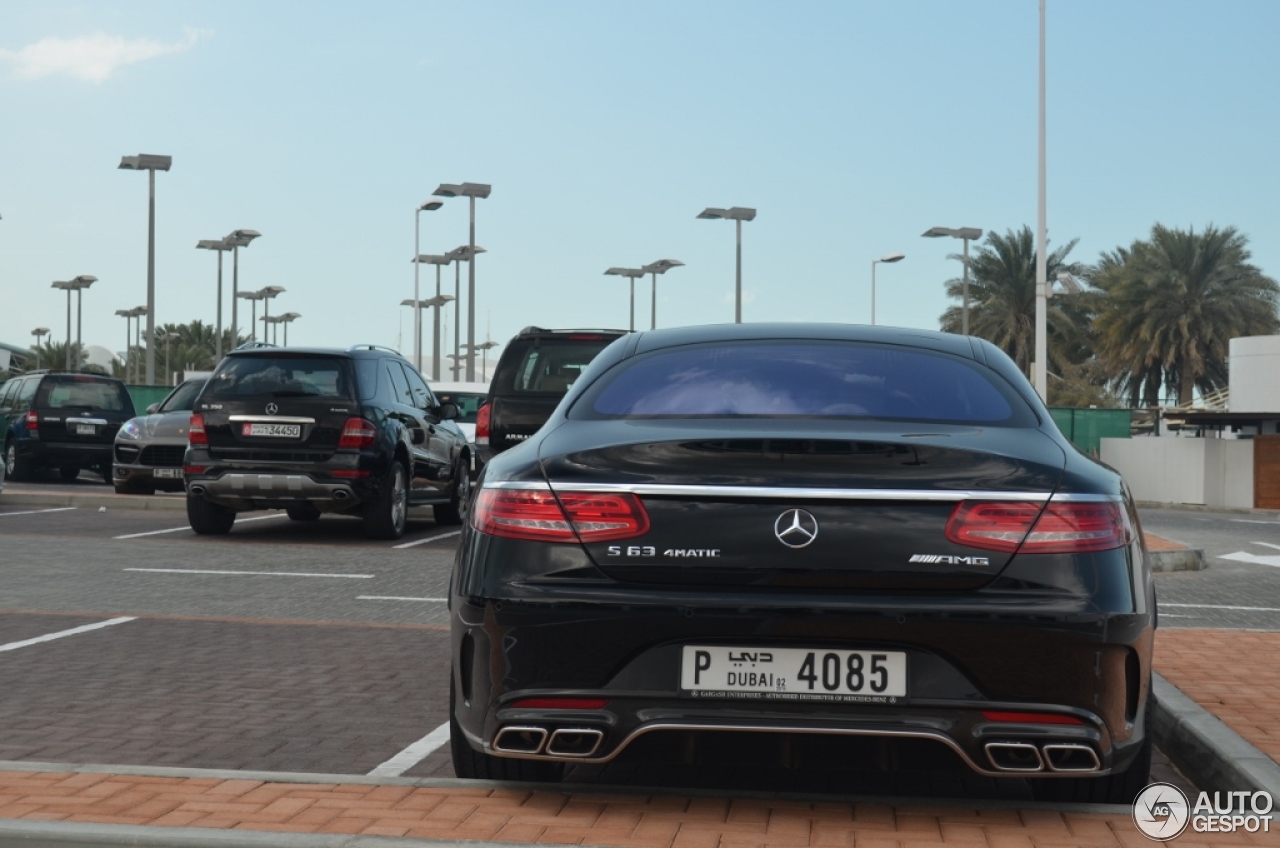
[[544, 516], [357, 433], [196, 434], [1063, 527], [33, 420], [482, 423]]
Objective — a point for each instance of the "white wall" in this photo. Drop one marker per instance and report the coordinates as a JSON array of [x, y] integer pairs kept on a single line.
[[1213, 472], [1252, 365]]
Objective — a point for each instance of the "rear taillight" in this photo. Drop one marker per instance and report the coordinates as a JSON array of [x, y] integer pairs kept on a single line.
[[1062, 527], [196, 434], [357, 433], [33, 420], [569, 516], [482, 423]]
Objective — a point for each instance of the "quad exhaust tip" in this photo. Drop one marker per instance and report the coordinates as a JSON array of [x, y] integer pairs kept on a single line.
[[1066, 756], [520, 740], [1014, 756], [574, 742]]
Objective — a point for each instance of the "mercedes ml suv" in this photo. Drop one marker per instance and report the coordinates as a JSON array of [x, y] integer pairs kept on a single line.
[[537, 368], [61, 420], [312, 431]]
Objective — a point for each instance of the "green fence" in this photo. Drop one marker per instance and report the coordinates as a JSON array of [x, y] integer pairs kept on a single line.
[[144, 396], [1087, 427]]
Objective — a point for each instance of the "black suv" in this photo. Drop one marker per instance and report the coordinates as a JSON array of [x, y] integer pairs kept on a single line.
[[535, 371], [62, 420], [312, 430]]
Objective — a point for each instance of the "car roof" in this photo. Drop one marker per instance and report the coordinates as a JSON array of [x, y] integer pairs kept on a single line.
[[952, 343], [530, 332], [364, 350]]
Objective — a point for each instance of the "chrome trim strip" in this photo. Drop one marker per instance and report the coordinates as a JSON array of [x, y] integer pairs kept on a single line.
[[82, 420], [935, 736], [773, 492], [270, 419]]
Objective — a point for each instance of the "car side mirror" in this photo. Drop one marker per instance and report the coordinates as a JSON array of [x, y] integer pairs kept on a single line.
[[447, 410], [151, 408]]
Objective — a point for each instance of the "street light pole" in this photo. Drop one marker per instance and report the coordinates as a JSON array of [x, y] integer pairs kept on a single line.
[[888, 257], [81, 282], [253, 297], [1041, 367], [237, 239], [427, 206], [168, 337], [471, 191], [149, 163], [737, 214], [38, 332], [465, 253], [287, 319], [967, 234], [630, 274], [68, 286], [438, 261], [219, 245], [662, 266]]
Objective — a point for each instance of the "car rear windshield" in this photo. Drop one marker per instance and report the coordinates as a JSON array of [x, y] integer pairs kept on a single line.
[[805, 379], [81, 392], [546, 366], [280, 376]]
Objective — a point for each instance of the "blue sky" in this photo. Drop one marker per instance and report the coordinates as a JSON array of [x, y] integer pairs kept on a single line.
[[604, 128]]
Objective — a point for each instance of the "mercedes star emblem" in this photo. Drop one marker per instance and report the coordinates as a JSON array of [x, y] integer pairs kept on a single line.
[[796, 528], [272, 409]]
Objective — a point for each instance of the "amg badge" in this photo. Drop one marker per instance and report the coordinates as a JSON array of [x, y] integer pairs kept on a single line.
[[949, 560]]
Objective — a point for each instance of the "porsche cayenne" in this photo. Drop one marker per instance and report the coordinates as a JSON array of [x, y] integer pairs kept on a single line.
[[800, 536]]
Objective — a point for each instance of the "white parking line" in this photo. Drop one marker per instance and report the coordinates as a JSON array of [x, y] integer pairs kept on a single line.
[[49, 637], [249, 573], [414, 754], [429, 539], [39, 511], [1220, 606], [398, 598], [188, 527], [1252, 521]]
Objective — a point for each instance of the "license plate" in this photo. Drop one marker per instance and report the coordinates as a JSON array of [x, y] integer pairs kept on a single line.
[[85, 430], [285, 431], [793, 674], [168, 473]]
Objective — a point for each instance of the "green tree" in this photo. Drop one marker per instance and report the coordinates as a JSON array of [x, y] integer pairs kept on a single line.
[[1002, 301], [1172, 304]]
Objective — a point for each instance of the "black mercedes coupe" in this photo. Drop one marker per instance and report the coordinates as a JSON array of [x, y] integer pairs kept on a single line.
[[802, 537]]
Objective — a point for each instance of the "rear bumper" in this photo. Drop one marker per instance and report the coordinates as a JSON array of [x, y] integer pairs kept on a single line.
[[65, 453], [252, 490]]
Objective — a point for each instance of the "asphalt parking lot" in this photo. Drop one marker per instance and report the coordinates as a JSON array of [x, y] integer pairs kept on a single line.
[[306, 647]]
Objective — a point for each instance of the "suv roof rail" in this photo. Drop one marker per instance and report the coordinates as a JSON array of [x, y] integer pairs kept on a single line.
[[374, 347], [532, 329]]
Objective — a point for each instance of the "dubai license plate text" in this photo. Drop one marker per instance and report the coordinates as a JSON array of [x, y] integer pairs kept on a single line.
[[797, 674], [286, 431]]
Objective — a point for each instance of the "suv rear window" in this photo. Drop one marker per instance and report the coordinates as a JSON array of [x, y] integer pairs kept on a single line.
[[806, 379], [80, 392], [546, 366], [280, 376]]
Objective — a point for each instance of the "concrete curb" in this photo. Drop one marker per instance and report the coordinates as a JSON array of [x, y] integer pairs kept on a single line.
[[26, 834], [1208, 752], [107, 498], [1186, 559]]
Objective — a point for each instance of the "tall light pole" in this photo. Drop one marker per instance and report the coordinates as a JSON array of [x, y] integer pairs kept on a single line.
[[237, 239], [465, 253], [68, 286], [267, 293], [253, 296], [438, 261], [631, 274], [484, 348], [81, 283], [287, 319], [662, 266], [967, 234], [888, 257], [1041, 366], [472, 191], [150, 163], [127, 315], [737, 214], [168, 337], [221, 246], [427, 206], [132, 369], [38, 332]]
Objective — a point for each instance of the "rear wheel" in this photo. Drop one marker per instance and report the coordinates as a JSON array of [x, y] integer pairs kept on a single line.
[[473, 765], [384, 516], [69, 472], [1116, 788], [209, 519], [459, 505], [303, 512], [16, 467]]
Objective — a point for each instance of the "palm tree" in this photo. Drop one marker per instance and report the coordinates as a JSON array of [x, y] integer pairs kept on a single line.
[[1002, 300], [1173, 303], [53, 355]]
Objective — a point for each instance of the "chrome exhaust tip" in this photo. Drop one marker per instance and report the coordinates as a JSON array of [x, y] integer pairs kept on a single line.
[[520, 740], [574, 742], [1069, 756], [197, 490], [1014, 756]]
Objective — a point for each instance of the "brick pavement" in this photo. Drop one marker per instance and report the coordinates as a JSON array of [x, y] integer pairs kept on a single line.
[[1232, 674], [550, 817]]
